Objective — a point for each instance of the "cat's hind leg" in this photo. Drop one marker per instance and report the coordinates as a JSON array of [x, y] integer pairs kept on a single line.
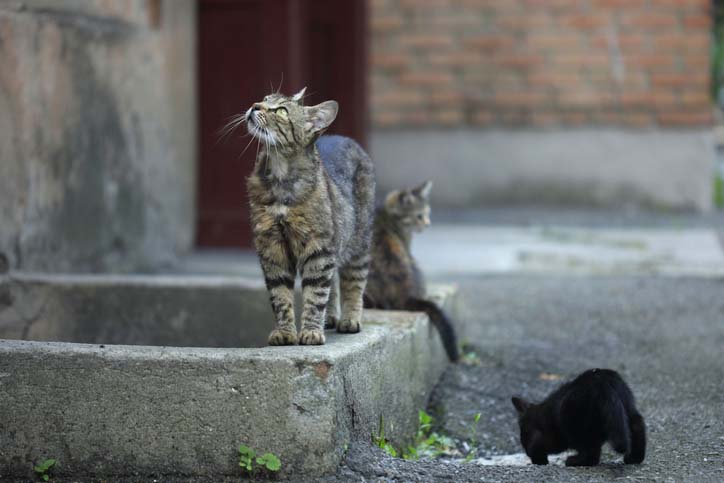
[[352, 282], [332, 318], [585, 457], [638, 440]]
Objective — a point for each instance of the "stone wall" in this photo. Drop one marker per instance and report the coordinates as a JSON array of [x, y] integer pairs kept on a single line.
[[97, 133]]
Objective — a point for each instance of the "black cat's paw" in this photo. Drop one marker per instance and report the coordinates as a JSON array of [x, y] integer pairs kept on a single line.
[[540, 461]]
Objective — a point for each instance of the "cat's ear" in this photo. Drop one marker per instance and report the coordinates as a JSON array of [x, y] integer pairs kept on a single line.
[[423, 191], [521, 405], [392, 199], [319, 117], [299, 96]]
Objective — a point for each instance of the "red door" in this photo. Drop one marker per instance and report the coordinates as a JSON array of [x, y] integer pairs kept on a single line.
[[246, 48]]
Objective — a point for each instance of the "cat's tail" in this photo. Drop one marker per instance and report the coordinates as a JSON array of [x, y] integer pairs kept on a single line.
[[617, 425], [637, 451], [441, 323]]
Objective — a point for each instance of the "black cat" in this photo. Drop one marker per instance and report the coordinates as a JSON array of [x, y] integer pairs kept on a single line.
[[595, 407]]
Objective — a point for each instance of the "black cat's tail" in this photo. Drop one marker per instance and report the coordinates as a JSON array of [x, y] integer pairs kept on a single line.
[[441, 323], [617, 425], [637, 451]]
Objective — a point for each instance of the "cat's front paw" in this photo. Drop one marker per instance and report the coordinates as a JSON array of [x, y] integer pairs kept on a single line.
[[283, 337], [349, 326], [331, 322], [311, 337]]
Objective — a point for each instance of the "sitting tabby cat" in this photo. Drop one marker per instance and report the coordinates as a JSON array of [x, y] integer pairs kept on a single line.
[[312, 203], [595, 407], [395, 282]]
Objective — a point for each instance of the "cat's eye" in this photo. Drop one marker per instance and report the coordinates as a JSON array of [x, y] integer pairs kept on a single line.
[[281, 111]]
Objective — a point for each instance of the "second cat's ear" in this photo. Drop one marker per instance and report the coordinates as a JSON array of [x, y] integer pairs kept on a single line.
[[299, 96], [391, 200], [319, 117], [521, 405], [423, 191]]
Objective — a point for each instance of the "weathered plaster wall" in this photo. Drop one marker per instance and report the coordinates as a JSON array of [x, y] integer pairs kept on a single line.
[[97, 133]]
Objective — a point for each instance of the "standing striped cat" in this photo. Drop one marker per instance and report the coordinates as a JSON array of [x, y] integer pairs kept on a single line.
[[395, 281], [312, 204]]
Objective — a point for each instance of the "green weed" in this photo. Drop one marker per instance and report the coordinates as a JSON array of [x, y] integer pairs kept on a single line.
[[251, 463], [43, 468]]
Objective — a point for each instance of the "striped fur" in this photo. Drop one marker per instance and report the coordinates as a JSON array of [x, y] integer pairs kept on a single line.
[[395, 281], [311, 200]]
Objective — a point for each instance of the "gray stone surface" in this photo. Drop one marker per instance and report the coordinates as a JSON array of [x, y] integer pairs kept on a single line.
[[608, 167], [104, 409], [184, 311], [97, 134]]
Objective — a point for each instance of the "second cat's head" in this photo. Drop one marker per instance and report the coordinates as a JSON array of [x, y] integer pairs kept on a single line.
[[286, 124], [411, 206]]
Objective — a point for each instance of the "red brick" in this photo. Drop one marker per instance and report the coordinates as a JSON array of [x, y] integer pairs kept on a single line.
[[681, 42], [399, 98], [650, 61], [386, 118], [448, 117], [524, 21], [585, 21], [426, 78], [555, 78], [625, 42], [489, 41], [649, 20], [584, 97], [698, 98], [581, 59], [446, 97], [697, 22], [637, 119], [518, 60], [387, 60], [679, 80], [520, 99], [556, 41], [616, 4], [426, 40], [483, 118], [424, 3], [685, 118], [455, 59], [386, 23]]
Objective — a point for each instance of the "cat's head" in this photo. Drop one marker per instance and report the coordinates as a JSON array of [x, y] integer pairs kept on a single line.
[[285, 124], [532, 433], [411, 207]]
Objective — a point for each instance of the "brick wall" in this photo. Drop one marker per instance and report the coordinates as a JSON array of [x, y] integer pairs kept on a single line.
[[453, 63]]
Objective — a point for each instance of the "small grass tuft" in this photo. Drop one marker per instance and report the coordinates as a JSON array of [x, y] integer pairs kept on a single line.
[[44, 468], [252, 464]]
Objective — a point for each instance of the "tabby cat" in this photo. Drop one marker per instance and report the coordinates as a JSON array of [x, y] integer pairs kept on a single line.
[[395, 281], [595, 407], [312, 204]]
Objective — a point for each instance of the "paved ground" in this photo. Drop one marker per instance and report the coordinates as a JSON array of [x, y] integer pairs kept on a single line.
[[664, 335]]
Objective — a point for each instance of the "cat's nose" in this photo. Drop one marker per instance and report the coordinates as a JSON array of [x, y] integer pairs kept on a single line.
[[256, 107]]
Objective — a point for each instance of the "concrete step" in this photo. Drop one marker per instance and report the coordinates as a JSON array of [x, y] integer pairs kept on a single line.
[[110, 408]]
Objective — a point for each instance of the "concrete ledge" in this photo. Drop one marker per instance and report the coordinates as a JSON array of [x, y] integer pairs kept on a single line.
[[144, 410], [606, 167]]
